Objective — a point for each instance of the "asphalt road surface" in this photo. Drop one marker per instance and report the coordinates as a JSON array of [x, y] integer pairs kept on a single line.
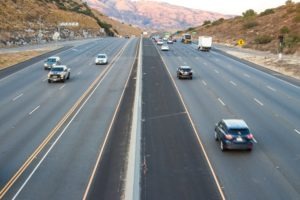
[[225, 88], [31, 108]]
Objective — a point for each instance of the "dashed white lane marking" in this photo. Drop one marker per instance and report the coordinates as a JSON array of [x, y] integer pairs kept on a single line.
[[255, 140], [216, 71], [297, 131], [273, 89], [34, 110], [247, 75], [204, 83], [45, 79], [62, 87], [75, 50], [259, 102], [233, 83], [17, 97], [79, 73], [220, 100]]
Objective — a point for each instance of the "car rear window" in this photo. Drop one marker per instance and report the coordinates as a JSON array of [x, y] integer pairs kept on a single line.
[[239, 131], [57, 69], [51, 60], [185, 69], [101, 56]]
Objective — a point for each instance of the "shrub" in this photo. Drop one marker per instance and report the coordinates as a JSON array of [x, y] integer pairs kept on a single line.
[[250, 24], [266, 12], [217, 22], [291, 40], [249, 13], [206, 22], [263, 39], [284, 30]]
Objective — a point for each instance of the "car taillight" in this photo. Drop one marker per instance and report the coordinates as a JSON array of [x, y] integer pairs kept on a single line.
[[250, 136], [228, 137]]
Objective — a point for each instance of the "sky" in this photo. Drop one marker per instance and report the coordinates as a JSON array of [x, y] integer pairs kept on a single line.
[[235, 7]]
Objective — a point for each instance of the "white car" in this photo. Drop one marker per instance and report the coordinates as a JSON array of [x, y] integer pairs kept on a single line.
[[51, 61], [101, 59], [160, 42], [165, 47]]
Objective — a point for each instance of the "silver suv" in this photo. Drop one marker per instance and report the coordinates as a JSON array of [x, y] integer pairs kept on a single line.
[[59, 73], [51, 61]]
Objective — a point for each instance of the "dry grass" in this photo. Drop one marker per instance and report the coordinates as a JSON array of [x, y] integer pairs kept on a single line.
[[9, 59]]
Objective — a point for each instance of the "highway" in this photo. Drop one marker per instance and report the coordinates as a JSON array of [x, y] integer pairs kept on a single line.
[[71, 140], [32, 109], [225, 88]]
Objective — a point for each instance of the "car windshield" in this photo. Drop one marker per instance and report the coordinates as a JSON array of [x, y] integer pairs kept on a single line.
[[101, 56], [185, 69], [239, 131], [57, 69], [51, 60], [187, 37]]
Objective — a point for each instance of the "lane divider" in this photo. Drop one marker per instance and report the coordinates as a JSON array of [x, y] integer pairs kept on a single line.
[[53, 132]]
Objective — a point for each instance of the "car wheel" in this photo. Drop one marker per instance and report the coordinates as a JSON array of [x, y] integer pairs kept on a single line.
[[68, 76], [222, 147], [49, 81], [63, 80], [191, 78], [216, 136]]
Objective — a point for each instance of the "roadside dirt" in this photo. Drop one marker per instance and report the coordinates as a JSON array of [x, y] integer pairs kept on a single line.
[[288, 65], [11, 58]]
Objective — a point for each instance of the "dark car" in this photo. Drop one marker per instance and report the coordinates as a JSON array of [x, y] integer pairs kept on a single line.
[[184, 72], [233, 134]]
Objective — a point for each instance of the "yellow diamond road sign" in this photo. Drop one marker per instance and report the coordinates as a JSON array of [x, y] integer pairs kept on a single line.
[[241, 42]]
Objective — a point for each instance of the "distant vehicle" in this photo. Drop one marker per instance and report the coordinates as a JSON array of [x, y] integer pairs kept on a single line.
[[170, 41], [184, 72], [174, 40], [101, 59], [59, 73], [186, 38], [127, 36], [204, 43], [233, 134], [51, 61], [164, 47], [160, 42]]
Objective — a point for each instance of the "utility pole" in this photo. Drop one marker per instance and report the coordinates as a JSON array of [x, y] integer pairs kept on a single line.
[[281, 45]]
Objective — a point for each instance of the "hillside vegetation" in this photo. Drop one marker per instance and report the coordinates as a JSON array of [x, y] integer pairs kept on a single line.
[[27, 21], [260, 31]]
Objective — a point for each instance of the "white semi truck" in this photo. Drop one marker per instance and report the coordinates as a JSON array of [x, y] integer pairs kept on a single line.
[[204, 43]]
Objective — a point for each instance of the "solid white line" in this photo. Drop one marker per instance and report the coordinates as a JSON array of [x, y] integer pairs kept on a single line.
[[297, 131], [195, 132], [220, 100], [216, 71], [17, 97], [204, 83], [63, 131], [132, 184], [34, 110], [259, 102], [247, 75], [269, 87], [233, 83], [62, 87]]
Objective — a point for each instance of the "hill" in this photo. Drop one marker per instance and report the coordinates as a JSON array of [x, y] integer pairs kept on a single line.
[[259, 31], [32, 21], [153, 15]]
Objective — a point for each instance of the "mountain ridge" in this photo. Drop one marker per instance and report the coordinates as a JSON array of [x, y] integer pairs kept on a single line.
[[153, 15]]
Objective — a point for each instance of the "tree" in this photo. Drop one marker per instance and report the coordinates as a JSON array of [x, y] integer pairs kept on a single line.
[[249, 13]]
